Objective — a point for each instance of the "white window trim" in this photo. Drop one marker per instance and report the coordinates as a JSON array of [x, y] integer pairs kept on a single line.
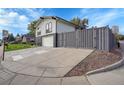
[[49, 27]]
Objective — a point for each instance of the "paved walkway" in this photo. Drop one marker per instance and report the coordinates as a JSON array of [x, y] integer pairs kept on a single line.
[[42, 66], [10, 78], [1, 51]]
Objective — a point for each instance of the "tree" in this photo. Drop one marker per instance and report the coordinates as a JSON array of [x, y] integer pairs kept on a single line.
[[32, 28], [76, 21], [82, 23], [11, 37], [18, 35], [119, 37]]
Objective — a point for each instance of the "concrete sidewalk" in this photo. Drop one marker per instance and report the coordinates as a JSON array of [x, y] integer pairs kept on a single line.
[[1, 53], [10, 78], [114, 77]]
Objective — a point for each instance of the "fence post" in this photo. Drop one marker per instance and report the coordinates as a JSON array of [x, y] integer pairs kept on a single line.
[[55, 40], [94, 37], [76, 39]]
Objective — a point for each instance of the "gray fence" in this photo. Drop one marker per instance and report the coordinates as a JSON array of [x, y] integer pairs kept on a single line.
[[99, 38]]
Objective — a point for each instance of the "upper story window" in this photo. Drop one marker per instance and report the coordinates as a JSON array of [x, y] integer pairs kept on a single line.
[[38, 28], [39, 33], [49, 27]]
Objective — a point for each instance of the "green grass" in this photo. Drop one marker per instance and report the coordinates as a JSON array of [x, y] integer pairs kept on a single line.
[[12, 47]]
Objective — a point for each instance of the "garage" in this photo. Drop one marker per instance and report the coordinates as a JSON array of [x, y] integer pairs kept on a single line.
[[47, 41]]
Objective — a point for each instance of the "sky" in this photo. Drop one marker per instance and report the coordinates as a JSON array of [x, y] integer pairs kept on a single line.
[[16, 20]]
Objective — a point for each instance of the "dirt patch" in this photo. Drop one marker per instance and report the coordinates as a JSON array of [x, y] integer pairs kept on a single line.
[[94, 61]]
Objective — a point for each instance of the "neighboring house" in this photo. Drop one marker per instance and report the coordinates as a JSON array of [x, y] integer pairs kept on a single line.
[[48, 26], [18, 39], [28, 38], [115, 29]]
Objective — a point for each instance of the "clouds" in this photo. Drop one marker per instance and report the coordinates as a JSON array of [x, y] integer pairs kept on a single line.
[[16, 20], [23, 18], [104, 16], [3, 21], [13, 14], [35, 13], [100, 17]]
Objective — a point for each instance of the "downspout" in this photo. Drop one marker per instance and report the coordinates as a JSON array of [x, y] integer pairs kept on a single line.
[[56, 35]]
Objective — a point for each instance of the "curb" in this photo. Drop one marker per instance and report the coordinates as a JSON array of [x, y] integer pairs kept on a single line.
[[107, 68]]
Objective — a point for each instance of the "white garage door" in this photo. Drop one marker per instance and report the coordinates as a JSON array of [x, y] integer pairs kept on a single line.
[[47, 41]]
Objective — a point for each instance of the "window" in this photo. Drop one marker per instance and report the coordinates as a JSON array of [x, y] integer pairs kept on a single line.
[[49, 27], [39, 33], [38, 28]]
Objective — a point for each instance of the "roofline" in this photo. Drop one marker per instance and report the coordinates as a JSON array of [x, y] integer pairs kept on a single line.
[[55, 18]]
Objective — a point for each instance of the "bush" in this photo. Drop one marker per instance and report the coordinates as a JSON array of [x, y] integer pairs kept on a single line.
[[17, 46]]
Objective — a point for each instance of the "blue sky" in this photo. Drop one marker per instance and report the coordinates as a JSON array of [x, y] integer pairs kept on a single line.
[[15, 20]]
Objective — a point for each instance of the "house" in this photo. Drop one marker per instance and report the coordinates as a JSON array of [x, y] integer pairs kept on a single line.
[[28, 38], [115, 29], [18, 38], [47, 28]]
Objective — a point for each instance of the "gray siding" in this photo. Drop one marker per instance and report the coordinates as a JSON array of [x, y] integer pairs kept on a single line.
[[64, 27], [99, 38], [38, 41]]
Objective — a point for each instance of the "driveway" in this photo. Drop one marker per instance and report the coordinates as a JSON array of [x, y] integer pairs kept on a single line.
[[1, 51], [44, 62]]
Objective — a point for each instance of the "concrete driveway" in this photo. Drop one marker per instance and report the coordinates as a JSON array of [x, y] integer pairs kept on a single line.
[[44, 62]]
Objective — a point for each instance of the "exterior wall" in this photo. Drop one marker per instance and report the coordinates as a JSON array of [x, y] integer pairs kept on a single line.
[[64, 27], [57, 27], [47, 41], [42, 27], [38, 40], [24, 39]]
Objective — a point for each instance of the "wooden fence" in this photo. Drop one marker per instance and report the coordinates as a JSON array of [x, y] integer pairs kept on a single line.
[[99, 38]]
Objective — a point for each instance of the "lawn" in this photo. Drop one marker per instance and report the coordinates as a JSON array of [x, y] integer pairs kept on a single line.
[[12, 47]]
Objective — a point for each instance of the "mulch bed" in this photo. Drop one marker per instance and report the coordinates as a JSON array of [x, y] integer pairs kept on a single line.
[[94, 61]]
